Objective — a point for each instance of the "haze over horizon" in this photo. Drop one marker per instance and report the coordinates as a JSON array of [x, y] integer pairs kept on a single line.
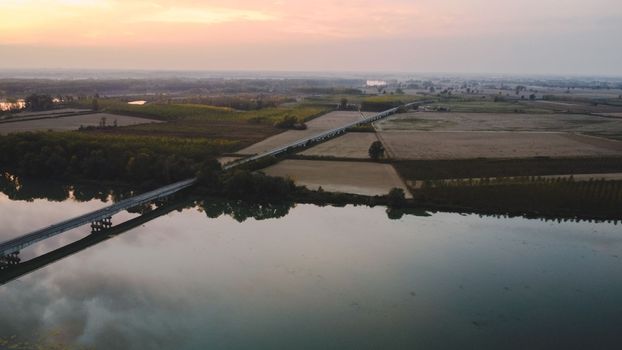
[[551, 37]]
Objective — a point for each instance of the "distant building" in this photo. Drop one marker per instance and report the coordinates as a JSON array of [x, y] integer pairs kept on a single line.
[[376, 83]]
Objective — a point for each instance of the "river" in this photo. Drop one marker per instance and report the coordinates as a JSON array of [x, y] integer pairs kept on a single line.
[[309, 277]]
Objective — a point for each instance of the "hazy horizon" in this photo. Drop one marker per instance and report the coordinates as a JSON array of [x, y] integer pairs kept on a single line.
[[190, 74], [554, 37]]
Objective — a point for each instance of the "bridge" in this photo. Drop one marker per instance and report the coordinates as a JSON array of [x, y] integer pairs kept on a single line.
[[324, 136], [100, 218], [15, 245], [23, 268]]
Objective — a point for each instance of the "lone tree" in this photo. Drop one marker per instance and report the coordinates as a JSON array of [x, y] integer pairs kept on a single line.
[[343, 104], [37, 102], [396, 197], [376, 150], [95, 104]]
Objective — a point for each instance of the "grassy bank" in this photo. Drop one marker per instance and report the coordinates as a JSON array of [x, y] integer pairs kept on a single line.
[[552, 197]]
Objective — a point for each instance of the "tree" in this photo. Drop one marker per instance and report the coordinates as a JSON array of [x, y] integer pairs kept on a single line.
[[343, 104], [290, 122], [520, 88], [37, 102], [532, 97], [396, 197], [376, 150], [95, 105], [399, 91]]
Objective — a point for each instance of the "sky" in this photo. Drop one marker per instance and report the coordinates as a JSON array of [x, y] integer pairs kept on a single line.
[[568, 37]]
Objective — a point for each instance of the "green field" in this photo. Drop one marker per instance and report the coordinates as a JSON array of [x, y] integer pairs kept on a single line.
[[203, 121], [199, 112], [383, 102], [488, 106]]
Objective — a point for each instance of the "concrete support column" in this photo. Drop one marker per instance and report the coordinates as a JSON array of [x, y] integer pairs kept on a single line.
[[9, 260], [101, 225]]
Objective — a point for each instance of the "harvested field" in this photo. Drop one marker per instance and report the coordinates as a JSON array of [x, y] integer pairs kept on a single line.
[[468, 145], [363, 178], [70, 123], [315, 126], [576, 123], [351, 145]]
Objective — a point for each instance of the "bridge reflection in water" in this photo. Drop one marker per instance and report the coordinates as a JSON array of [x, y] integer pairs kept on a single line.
[[11, 267]]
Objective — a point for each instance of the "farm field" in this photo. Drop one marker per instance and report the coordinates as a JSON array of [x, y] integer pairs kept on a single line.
[[204, 121], [489, 106], [243, 133], [202, 112], [49, 113], [70, 123], [351, 145], [418, 184], [365, 178], [467, 145], [574, 123], [470, 104], [315, 126], [510, 167]]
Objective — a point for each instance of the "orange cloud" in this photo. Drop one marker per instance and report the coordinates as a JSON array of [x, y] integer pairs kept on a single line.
[[114, 22], [131, 23]]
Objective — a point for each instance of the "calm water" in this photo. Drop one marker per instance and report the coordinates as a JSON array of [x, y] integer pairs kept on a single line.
[[318, 278]]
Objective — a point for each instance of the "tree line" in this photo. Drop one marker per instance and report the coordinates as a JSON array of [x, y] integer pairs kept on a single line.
[[117, 158]]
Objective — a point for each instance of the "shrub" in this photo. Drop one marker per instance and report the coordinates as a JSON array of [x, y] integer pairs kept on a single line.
[[396, 197], [290, 122], [376, 150]]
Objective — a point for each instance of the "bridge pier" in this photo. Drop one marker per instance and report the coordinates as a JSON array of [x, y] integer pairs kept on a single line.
[[9, 260], [101, 225]]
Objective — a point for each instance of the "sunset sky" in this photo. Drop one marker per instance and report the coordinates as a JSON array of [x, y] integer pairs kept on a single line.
[[472, 36]]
